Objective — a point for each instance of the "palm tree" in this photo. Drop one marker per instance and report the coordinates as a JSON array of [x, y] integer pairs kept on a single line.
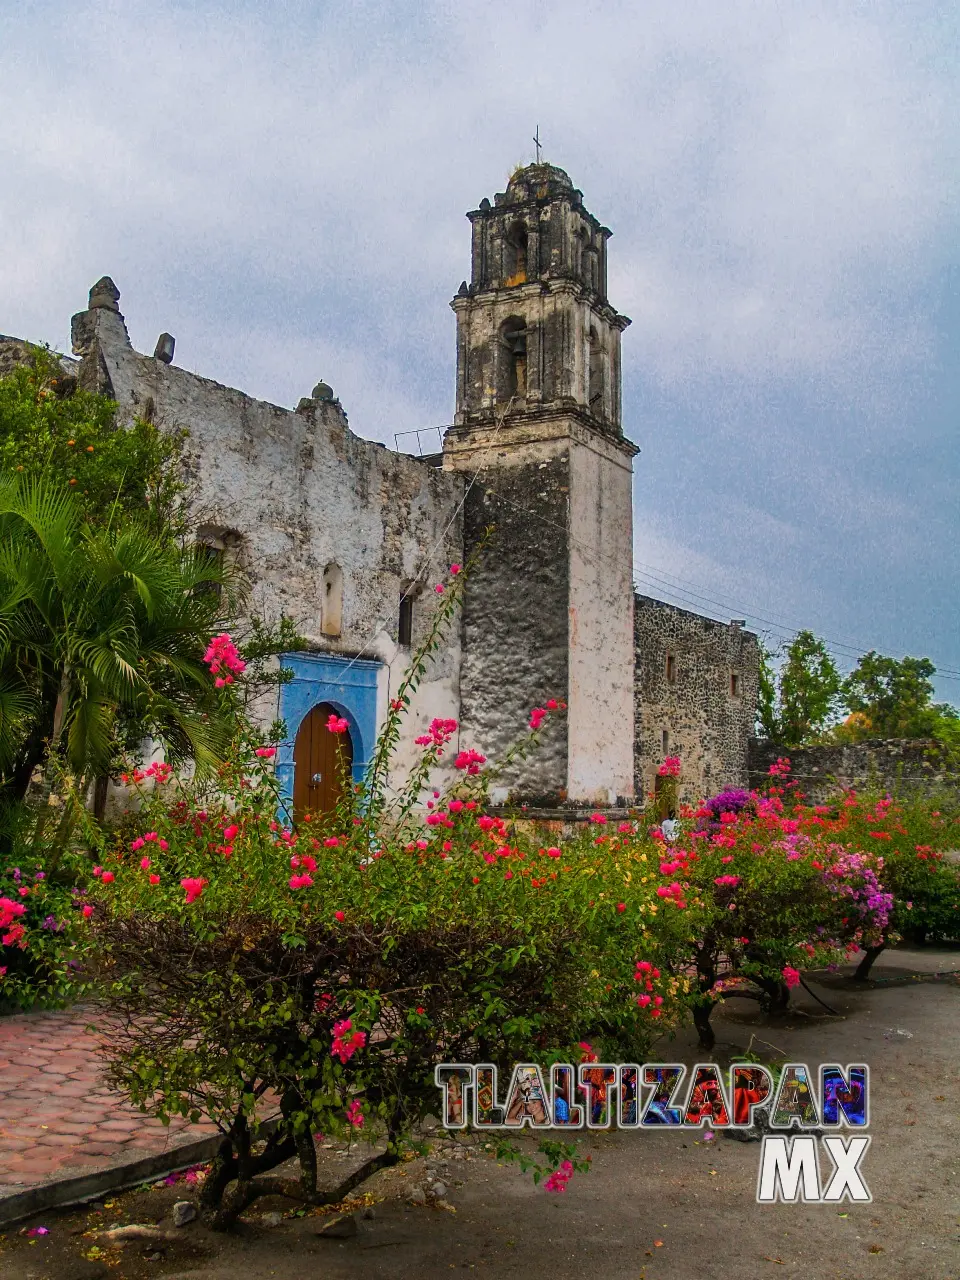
[[102, 637]]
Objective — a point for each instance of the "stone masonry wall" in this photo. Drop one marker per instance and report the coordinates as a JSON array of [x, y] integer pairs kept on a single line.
[[684, 667], [901, 766], [515, 627]]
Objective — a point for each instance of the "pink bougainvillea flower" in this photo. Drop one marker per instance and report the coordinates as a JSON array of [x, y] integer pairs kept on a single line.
[[346, 1041], [303, 881], [559, 1178], [154, 879], [137, 844], [107, 878], [355, 1115], [621, 906], [332, 842], [86, 910], [266, 753], [552, 852], [439, 588], [598, 818], [791, 976], [337, 724], [454, 569], [97, 871], [222, 652], [339, 915], [469, 760], [727, 881], [194, 887], [230, 833], [537, 717]]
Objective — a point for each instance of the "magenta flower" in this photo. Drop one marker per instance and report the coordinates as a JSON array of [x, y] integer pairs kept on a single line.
[[194, 886]]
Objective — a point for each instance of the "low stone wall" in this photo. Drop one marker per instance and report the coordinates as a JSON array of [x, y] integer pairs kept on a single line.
[[902, 766]]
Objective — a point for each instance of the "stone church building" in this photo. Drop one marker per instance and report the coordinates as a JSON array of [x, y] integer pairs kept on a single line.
[[348, 538]]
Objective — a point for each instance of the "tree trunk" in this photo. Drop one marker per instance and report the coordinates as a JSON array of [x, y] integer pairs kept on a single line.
[[701, 1020], [866, 964]]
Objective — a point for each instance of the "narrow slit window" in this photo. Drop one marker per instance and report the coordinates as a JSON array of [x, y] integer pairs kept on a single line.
[[405, 622], [215, 556], [331, 603], [671, 668], [665, 741], [734, 684]]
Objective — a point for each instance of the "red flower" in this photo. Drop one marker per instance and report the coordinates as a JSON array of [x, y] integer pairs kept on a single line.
[[194, 886]]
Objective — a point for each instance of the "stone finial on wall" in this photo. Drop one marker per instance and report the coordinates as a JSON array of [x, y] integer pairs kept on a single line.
[[104, 296], [166, 345]]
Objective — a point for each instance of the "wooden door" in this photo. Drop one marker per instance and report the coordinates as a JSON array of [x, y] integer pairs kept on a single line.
[[321, 764]]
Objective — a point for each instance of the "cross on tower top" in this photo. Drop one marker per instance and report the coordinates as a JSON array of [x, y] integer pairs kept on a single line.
[[537, 144]]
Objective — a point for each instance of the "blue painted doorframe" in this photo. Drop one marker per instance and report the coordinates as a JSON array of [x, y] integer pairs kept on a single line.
[[349, 685]]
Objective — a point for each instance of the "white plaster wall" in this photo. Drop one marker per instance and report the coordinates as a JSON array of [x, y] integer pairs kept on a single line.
[[302, 492], [601, 673]]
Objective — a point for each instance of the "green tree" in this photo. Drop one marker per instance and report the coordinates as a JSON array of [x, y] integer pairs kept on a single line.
[[893, 695], [50, 427], [797, 701], [102, 638]]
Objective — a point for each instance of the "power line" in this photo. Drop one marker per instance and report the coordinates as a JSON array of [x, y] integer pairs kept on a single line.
[[665, 583]]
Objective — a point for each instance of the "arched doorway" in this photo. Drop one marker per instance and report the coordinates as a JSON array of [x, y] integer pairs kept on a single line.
[[321, 763]]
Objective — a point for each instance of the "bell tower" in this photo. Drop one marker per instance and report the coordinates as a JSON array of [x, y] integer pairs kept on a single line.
[[535, 331], [549, 611]]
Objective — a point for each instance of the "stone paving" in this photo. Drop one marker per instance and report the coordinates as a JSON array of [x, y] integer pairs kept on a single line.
[[58, 1118]]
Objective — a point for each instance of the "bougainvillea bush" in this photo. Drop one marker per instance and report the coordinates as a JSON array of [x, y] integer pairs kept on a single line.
[[289, 980], [315, 976]]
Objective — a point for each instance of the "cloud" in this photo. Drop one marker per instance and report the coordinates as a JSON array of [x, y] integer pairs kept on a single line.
[[283, 188]]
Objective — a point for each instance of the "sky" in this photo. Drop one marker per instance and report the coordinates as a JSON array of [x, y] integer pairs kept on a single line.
[[283, 188]]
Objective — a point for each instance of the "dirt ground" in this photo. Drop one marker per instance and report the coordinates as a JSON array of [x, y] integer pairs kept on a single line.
[[656, 1205]]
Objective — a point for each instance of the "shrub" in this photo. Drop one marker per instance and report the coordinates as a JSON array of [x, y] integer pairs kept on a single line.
[[321, 973]]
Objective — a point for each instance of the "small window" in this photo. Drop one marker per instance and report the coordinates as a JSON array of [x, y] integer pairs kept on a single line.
[[734, 685], [215, 555], [405, 623], [671, 668], [665, 742], [331, 601]]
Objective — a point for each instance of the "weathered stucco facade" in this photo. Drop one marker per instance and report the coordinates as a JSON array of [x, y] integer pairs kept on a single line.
[[330, 529], [696, 697], [533, 490]]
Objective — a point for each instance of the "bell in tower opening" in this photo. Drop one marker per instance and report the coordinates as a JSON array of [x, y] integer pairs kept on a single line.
[[535, 332]]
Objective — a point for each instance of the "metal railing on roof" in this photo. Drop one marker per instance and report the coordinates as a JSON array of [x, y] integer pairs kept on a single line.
[[434, 434]]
